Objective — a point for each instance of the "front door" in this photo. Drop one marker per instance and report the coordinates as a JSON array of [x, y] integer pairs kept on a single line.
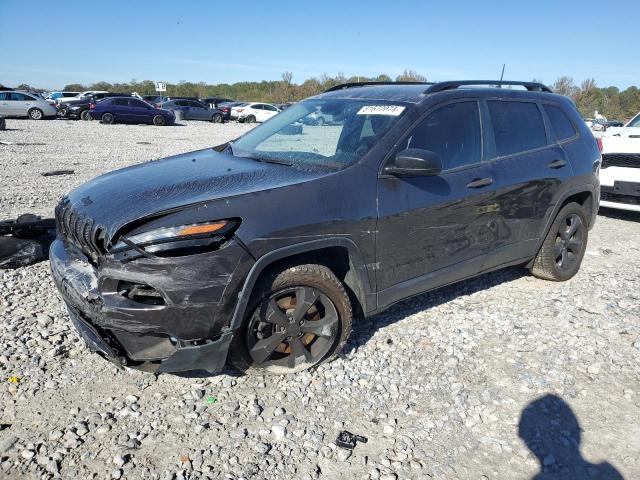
[[436, 230]]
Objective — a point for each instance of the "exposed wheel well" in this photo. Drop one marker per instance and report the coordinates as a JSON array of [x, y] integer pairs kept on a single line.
[[583, 198], [338, 260]]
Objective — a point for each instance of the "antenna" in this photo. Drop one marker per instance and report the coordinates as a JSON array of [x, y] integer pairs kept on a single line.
[[502, 74]]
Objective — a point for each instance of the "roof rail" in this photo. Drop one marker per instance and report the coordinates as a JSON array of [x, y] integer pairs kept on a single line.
[[442, 86], [343, 86]]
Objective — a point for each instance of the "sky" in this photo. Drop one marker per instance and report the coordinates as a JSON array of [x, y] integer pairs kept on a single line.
[[51, 44]]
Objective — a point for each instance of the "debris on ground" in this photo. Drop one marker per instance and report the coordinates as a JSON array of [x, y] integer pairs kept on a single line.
[[14, 379], [348, 440], [211, 400], [53, 173], [25, 240]]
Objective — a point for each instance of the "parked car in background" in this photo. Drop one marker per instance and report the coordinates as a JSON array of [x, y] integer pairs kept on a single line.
[[192, 110], [620, 169], [225, 109], [53, 96], [155, 100], [613, 123], [234, 109], [22, 104], [214, 102], [284, 106], [264, 249], [80, 96], [79, 109], [256, 112], [129, 110]]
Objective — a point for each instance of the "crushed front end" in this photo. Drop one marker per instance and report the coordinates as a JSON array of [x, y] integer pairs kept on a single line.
[[156, 303]]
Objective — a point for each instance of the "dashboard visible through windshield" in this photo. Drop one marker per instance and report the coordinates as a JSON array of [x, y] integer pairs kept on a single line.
[[331, 133]]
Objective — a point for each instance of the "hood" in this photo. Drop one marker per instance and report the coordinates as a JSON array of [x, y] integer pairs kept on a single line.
[[150, 189], [621, 140]]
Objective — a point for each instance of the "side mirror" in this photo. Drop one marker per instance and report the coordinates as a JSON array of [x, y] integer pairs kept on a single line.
[[415, 162]]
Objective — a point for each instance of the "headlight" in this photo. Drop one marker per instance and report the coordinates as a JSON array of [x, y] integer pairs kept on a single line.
[[184, 238]]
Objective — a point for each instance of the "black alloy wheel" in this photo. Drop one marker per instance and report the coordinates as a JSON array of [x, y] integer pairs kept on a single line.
[[293, 327]]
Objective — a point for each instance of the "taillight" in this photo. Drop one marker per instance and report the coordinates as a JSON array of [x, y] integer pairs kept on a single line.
[[240, 109], [599, 141]]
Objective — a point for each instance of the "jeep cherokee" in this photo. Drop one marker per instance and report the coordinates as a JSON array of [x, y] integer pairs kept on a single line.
[[266, 248]]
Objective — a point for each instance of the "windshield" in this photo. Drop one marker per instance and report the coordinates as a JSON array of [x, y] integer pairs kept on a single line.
[[321, 132], [634, 122]]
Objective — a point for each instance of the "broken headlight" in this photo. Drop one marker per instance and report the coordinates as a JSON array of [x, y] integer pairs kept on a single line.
[[175, 241]]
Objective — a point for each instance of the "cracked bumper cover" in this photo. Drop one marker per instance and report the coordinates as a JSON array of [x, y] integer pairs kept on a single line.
[[189, 331]]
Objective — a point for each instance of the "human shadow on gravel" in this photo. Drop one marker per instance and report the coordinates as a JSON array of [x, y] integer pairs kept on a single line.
[[619, 214], [551, 431], [364, 329]]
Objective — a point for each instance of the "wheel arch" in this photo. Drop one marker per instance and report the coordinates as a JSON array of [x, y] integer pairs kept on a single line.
[[341, 255], [585, 195]]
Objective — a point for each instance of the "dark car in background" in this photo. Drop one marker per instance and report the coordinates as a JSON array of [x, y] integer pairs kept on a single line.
[[129, 110], [226, 107], [266, 248], [214, 102], [193, 110], [79, 109]]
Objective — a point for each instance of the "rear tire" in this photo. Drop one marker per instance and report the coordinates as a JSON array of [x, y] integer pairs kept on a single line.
[[86, 115], [217, 118], [107, 118], [35, 114], [250, 119], [326, 311], [563, 248], [159, 121]]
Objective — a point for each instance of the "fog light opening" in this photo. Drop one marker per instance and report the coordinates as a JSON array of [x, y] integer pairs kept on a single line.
[[141, 293]]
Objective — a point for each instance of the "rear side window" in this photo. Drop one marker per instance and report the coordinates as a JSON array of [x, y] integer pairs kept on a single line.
[[517, 126], [560, 123], [451, 131], [123, 102]]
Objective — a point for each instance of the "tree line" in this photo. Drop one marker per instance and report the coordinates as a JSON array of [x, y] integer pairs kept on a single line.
[[609, 101]]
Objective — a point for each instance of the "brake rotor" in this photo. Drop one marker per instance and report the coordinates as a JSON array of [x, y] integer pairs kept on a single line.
[[288, 305]]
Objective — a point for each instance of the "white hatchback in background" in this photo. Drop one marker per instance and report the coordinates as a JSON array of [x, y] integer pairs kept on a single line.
[[620, 170], [256, 112]]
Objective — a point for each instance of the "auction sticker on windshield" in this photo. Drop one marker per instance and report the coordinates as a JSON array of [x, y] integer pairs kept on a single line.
[[393, 110]]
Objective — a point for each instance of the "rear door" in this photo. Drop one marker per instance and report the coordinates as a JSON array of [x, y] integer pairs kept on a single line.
[[528, 166], [120, 107], [21, 104], [436, 230], [5, 104]]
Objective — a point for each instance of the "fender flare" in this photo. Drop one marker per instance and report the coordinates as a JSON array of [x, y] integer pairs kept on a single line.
[[366, 298]]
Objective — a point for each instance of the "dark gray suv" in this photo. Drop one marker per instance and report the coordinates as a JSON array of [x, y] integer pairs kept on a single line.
[[266, 249]]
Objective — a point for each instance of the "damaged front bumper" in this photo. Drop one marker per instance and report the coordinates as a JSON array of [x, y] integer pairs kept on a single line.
[[154, 314]]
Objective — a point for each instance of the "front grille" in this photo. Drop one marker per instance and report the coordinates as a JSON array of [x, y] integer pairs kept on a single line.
[[79, 229], [631, 160], [607, 195]]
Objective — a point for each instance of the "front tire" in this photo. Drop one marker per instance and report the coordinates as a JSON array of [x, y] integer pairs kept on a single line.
[[159, 121], [36, 114], [298, 317], [107, 118], [563, 248]]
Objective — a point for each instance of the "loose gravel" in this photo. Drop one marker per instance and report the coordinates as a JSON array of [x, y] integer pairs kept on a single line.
[[438, 383]]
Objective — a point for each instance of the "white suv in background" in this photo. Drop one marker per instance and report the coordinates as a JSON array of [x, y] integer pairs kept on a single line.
[[620, 170], [256, 112]]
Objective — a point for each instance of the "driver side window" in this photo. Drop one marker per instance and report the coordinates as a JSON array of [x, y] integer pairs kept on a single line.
[[452, 131]]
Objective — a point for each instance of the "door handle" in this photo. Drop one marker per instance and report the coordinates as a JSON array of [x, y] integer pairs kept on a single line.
[[480, 182], [557, 164]]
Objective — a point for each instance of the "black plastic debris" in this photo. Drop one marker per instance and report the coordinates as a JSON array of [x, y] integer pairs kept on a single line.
[[58, 172], [348, 440], [25, 240]]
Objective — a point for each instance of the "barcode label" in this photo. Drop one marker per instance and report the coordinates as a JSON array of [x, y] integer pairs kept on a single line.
[[393, 110]]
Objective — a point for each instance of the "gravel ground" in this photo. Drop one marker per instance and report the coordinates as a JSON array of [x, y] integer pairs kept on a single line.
[[443, 385]]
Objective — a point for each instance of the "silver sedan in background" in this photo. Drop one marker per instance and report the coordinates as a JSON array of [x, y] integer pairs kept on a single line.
[[23, 104]]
